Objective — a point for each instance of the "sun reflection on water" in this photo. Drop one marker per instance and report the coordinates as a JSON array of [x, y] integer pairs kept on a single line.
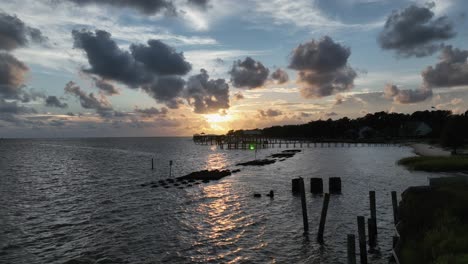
[[223, 224], [216, 161]]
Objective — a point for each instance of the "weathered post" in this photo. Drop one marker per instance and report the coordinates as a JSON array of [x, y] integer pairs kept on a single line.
[[395, 207], [373, 212], [152, 164], [304, 206], [316, 185], [351, 241], [370, 230], [334, 185], [295, 185], [362, 239], [323, 218]]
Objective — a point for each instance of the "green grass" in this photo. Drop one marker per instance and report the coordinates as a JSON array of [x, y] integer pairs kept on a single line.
[[436, 164], [434, 225]]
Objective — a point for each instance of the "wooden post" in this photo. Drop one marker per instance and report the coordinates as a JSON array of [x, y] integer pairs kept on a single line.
[[395, 207], [362, 239], [351, 249], [295, 183], [316, 185], [304, 206], [334, 185], [373, 212], [323, 218], [370, 231], [152, 164]]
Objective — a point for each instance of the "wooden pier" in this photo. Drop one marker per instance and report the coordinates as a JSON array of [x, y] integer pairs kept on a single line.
[[260, 142]]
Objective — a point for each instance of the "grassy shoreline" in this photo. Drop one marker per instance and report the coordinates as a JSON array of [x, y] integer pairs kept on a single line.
[[433, 223], [436, 164]]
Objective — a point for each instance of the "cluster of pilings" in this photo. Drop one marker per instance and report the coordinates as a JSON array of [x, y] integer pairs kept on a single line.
[[366, 244]]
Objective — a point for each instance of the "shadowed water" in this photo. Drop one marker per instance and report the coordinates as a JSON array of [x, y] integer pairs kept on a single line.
[[80, 201]]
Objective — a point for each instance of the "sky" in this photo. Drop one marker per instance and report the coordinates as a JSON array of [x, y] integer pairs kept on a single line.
[[108, 68]]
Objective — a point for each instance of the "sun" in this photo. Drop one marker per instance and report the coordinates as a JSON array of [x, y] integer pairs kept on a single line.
[[217, 118]]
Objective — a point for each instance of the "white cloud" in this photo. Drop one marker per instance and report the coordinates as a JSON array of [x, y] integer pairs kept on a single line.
[[304, 14]]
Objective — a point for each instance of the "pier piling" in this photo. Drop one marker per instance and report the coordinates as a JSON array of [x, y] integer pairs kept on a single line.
[[295, 185], [334, 185], [323, 218], [316, 185], [370, 230], [305, 219], [362, 239], [351, 241], [395, 207], [373, 211], [152, 164]]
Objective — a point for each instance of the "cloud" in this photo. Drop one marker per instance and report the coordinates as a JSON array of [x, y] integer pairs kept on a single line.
[[160, 58], [339, 99], [269, 113], [452, 69], [14, 33], [238, 96], [89, 101], [13, 108], [12, 75], [150, 112], [202, 4], [53, 101], [414, 30], [323, 68], [106, 87], [280, 76], [156, 67], [205, 95], [108, 60], [166, 89], [147, 7], [248, 74], [391, 91]]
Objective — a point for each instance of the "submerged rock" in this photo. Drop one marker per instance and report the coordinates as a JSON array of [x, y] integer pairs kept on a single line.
[[257, 162]]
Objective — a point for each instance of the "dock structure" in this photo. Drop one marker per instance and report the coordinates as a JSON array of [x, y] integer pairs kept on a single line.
[[260, 142]]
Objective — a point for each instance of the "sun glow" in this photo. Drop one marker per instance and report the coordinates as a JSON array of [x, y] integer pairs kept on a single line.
[[217, 118]]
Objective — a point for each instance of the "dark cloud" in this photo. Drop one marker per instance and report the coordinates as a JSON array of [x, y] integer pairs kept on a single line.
[[414, 31], [323, 68], [269, 113], [280, 76], [320, 56], [160, 58], [14, 108], [166, 89], [148, 7], [53, 101], [150, 112], [14, 33], [154, 67], [12, 74], [452, 69], [205, 95], [249, 74], [108, 60], [238, 96], [406, 96], [105, 86], [89, 101], [320, 84]]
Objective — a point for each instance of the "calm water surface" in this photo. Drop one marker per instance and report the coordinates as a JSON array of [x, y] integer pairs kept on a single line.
[[80, 201]]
